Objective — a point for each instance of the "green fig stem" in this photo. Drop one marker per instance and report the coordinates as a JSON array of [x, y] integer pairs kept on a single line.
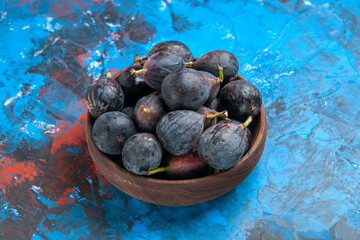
[[108, 74], [216, 171], [189, 64], [221, 73], [138, 72], [157, 170], [214, 114], [247, 122], [144, 110]]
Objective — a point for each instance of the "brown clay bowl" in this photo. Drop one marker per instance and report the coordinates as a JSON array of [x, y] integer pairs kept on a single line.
[[181, 192]]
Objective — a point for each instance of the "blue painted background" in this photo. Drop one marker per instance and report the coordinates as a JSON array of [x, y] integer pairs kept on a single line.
[[304, 56]]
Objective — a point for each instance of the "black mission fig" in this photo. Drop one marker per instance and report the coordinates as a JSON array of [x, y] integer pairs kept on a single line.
[[241, 99], [141, 153], [111, 130], [104, 96], [174, 47]]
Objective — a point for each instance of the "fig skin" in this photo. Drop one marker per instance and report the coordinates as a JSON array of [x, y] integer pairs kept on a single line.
[[180, 130], [141, 152], [105, 95], [186, 166], [222, 145], [174, 47], [185, 89], [148, 111], [241, 99], [111, 130], [211, 61], [133, 85], [158, 66]]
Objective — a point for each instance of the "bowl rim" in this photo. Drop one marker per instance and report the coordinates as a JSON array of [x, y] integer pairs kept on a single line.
[[262, 133]]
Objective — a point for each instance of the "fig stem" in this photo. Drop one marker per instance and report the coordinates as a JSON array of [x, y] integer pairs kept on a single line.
[[247, 122], [157, 170], [221, 73], [144, 110], [137, 58], [216, 171], [138, 72], [189, 64], [108, 74], [156, 92], [214, 114], [218, 80], [215, 80], [227, 120]]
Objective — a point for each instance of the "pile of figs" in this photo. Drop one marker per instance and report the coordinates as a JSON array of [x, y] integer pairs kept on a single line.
[[173, 116]]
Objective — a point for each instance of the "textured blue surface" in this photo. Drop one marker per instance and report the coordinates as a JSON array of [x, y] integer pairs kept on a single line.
[[304, 56]]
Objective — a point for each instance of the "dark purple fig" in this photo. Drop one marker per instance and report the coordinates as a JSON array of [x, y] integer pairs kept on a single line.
[[158, 66], [214, 83], [223, 145], [180, 130], [141, 153], [174, 47], [211, 61], [248, 135], [185, 89], [241, 99], [148, 111], [111, 130], [133, 85], [104, 96], [186, 166]]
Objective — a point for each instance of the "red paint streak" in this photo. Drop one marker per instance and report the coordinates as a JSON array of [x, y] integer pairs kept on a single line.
[[65, 198], [70, 169], [20, 3], [42, 160], [61, 9], [2, 144], [84, 104], [42, 91], [81, 57], [67, 79], [72, 136], [103, 179], [66, 8], [114, 70], [24, 171], [63, 126], [79, 4]]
